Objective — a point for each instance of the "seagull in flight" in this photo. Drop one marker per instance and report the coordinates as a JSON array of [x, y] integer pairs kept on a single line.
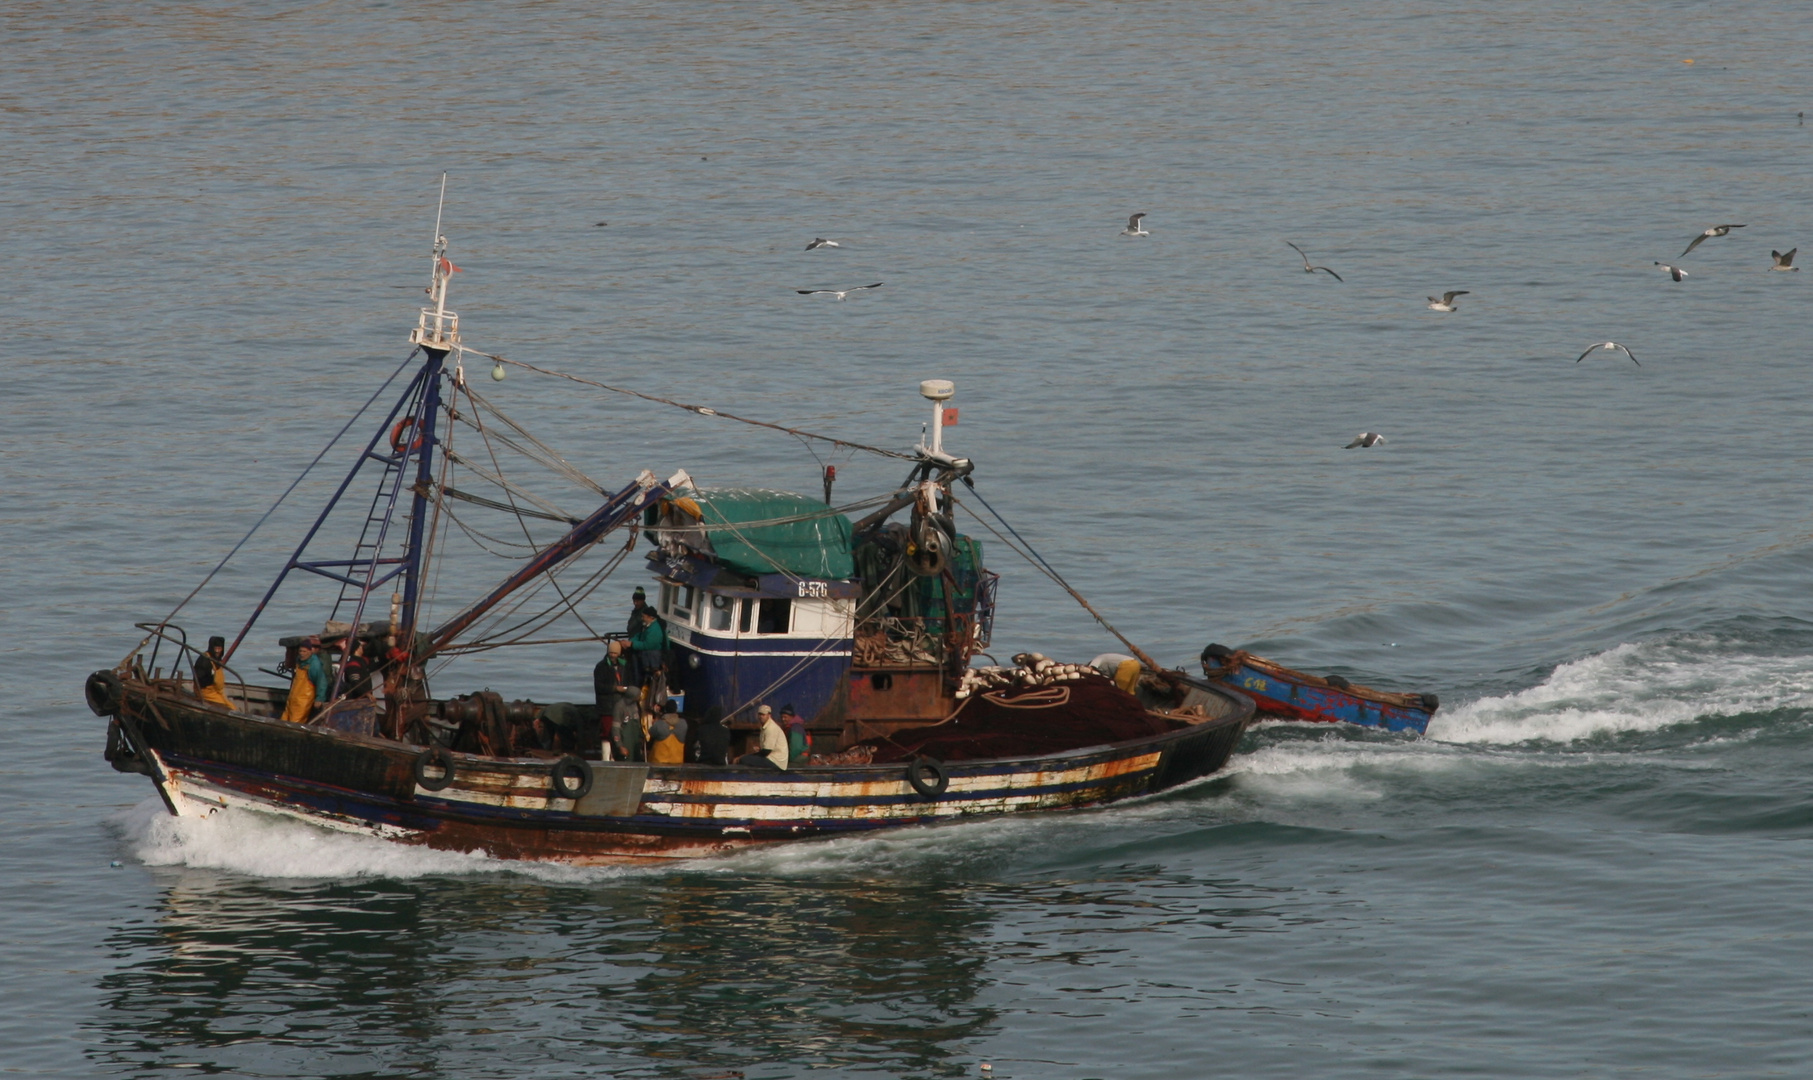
[[1307, 268], [1716, 230], [1610, 346], [839, 293], [1673, 271], [1134, 228], [1365, 438], [822, 242], [1446, 303], [1784, 260]]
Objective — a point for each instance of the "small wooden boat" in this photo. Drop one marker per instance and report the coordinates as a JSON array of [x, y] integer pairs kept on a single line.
[[1278, 691], [866, 629]]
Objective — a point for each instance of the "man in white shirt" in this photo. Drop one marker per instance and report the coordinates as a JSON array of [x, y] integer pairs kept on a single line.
[[774, 740]]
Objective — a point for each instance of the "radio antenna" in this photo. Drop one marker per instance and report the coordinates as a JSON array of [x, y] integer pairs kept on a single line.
[[434, 264]]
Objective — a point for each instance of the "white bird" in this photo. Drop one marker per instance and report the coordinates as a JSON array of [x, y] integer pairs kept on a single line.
[[1446, 303], [1716, 230], [1784, 260], [839, 293], [1610, 346], [1134, 228], [822, 242], [1673, 271], [1365, 438], [1307, 268]]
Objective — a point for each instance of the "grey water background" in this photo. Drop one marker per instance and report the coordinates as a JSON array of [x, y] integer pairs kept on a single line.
[[216, 219]]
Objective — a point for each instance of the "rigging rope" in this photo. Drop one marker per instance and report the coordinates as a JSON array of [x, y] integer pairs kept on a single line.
[[702, 410], [486, 436], [286, 491], [1039, 564]]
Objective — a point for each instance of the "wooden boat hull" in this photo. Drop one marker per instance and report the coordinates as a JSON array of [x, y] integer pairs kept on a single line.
[[1279, 692], [203, 758]]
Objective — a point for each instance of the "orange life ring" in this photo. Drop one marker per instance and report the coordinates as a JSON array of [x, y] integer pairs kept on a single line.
[[396, 436]]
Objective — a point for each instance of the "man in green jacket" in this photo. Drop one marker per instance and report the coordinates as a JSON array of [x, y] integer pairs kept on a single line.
[[648, 646]]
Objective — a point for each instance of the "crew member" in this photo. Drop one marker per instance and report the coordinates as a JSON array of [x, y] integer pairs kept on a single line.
[[355, 673], [774, 740], [713, 738], [638, 605], [616, 698], [308, 685], [667, 738], [649, 646], [795, 726], [211, 672]]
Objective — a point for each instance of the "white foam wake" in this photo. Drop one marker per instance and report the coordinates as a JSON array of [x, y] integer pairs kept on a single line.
[[273, 846], [1633, 687]]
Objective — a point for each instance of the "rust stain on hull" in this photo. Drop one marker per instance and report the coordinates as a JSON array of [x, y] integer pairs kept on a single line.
[[506, 808]]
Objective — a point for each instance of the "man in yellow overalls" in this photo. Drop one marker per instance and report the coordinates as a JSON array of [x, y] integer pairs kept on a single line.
[[667, 738], [311, 672], [211, 673]]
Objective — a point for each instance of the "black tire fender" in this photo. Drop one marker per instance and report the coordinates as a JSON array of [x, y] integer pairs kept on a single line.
[[939, 778], [571, 778], [105, 693], [435, 757], [1430, 702], [1337, 682]]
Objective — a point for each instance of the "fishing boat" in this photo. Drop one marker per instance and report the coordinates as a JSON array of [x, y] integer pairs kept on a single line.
[[1282, 693], [874, 630]]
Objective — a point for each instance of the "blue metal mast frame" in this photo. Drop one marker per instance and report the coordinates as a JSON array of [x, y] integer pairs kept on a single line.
[[424, 389]]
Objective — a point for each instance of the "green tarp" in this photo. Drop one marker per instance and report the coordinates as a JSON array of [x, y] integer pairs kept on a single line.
[[801, 535]]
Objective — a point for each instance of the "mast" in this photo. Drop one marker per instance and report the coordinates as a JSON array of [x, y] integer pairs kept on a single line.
[[437, 333]]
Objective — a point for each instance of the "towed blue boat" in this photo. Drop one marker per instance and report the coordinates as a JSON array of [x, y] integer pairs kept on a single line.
[[1281, 693]]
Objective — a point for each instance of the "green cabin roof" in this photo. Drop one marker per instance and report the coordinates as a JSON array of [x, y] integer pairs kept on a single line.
[[760, 531]]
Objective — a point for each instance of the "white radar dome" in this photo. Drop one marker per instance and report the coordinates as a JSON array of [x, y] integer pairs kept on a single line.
[[938, 389]]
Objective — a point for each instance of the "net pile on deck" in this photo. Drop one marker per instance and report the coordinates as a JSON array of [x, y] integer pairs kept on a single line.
[[1037, 708]]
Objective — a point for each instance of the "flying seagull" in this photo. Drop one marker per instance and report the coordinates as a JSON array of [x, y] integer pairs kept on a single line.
[[1446, 303], [1609, 346], [822, 242], [1673, 271], [1784, 260], [1365, 438], [839, 293], [1307, 268], [1716, 230], [1134, 228]]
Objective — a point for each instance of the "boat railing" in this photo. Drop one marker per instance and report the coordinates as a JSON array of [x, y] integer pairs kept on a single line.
[[161, 632], [436, 327]]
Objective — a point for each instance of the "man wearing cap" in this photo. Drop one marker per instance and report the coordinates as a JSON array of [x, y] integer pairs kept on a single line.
[[639, 604], [211, 673], [774, 740], [648, 644], [309, 684], [795, 727]]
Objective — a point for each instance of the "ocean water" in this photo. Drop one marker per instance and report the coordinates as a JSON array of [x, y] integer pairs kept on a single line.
[[216, 220]]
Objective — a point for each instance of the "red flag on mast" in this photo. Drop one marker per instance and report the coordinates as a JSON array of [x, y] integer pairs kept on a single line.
[[447, 267]]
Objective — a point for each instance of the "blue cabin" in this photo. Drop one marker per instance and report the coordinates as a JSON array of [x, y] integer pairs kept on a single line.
[[762, 598]]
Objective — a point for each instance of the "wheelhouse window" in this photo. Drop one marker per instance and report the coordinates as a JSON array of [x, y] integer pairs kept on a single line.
[[747, 614], [677, 602], [774, 617], [722, 610]]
